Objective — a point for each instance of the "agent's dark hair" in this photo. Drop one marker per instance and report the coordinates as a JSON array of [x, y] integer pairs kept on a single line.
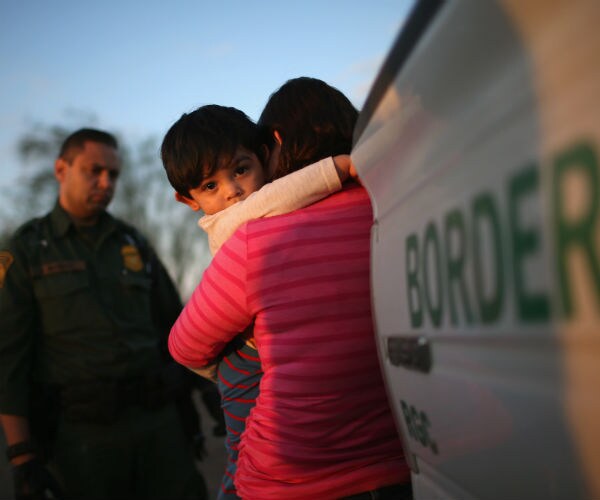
[[314, 119], [74, 143], [200, 142]]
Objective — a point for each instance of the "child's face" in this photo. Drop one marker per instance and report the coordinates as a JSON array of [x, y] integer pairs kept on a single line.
[[234, 182]]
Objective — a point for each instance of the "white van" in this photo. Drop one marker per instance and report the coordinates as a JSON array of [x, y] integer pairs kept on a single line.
[[480, 147]]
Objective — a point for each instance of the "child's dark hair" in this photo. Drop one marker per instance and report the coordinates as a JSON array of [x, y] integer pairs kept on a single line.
[[200, 142], [314, 119]]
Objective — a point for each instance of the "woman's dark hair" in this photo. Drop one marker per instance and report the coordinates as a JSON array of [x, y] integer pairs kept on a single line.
[[199, 142], [314, 119]]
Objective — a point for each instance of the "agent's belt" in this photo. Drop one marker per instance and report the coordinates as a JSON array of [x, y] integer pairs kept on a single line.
[[103, 401]]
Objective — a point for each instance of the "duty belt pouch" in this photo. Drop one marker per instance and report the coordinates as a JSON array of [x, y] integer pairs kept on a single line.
[[94, 403], [153, 391], [161, 386]]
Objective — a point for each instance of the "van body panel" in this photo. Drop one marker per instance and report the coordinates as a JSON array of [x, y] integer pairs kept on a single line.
[[481, 160]]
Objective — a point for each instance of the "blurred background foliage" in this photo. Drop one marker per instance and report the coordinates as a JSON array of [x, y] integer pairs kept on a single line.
[[143, 198]]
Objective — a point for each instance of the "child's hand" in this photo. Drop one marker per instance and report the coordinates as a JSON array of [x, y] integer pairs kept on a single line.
[[345, 168]]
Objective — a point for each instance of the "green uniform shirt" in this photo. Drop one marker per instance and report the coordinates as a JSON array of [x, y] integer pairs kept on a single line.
[[79, 304]]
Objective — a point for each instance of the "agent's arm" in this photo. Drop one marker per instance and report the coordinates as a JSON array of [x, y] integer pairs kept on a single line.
[[19, 327]]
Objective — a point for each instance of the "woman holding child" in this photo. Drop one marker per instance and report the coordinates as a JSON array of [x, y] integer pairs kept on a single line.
[[321, 427]]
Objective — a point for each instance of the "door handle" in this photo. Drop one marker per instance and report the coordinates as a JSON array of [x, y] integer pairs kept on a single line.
[[413, 353]]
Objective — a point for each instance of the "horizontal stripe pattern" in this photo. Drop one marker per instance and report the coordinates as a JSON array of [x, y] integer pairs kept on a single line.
[[321, 427], [238, 377]]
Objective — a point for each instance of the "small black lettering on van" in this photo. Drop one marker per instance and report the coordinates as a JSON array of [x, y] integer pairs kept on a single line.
[[418, 425]]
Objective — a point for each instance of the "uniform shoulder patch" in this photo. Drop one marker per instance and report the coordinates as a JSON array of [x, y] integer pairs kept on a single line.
[[6, 259]]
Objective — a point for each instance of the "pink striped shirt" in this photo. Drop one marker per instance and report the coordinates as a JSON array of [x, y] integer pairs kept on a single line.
[[322, 427]]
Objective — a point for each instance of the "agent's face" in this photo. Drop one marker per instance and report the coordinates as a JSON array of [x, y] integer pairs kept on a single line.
[[232, 183], [87, 183]]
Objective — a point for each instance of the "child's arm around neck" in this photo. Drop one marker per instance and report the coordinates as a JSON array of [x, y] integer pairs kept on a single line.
[[286, 194]]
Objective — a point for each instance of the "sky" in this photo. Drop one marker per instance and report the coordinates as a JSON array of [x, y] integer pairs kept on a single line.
[[134, 67]]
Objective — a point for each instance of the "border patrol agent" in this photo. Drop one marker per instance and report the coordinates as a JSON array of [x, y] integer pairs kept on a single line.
[[86, 382]]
